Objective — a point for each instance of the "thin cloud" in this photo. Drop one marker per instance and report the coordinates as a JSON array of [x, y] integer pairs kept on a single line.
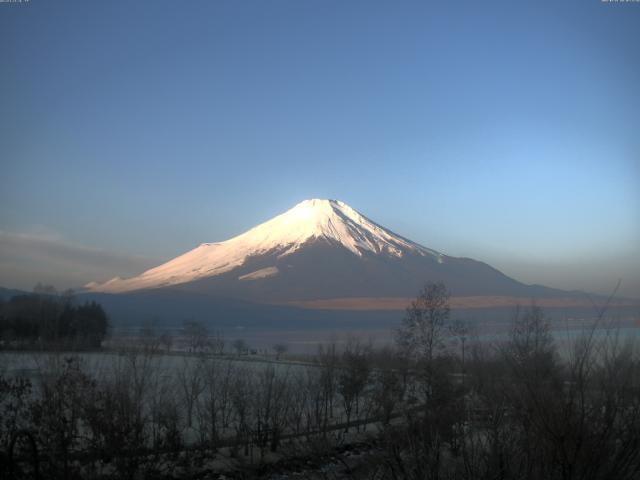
[[28, 258]]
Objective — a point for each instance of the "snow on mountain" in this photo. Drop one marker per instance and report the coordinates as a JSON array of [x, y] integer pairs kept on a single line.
[[329, 220], [258, 274]]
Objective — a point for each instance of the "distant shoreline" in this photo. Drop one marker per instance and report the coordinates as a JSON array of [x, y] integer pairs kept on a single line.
[[401, 303]]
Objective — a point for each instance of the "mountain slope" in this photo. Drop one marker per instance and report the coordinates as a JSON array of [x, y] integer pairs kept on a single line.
[[319, 249], [328, 220]]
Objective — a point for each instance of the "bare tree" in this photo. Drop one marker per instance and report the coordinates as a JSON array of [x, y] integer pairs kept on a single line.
[[15, 393], [166, 341], [148, 338], [328, 358], [299, 400], [240, 346], [58, 413], [280, 349], [196, 335], [460, 331], [214, 409], [421, 335], [271, 407], [241, 391], [422, 331], [217, 343], [353, 376], [191, 385], [389, 383], [117, 414]]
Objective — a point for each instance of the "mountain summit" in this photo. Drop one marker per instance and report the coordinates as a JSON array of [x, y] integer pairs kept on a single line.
[[319, 249]]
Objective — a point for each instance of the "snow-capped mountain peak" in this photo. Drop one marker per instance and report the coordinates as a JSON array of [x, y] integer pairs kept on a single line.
[[316, 219], [331, 220]]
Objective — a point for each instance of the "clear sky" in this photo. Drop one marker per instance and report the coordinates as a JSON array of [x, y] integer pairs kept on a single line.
[[509, 132]]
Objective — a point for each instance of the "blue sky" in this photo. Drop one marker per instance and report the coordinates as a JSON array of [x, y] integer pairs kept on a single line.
[[504, 131]]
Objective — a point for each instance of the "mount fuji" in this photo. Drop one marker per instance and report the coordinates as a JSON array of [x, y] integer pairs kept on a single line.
[[323, 254]]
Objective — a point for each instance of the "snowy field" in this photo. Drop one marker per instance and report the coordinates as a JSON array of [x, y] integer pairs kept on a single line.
[[100, 365]]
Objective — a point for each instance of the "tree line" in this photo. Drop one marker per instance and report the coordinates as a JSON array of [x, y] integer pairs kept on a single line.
[[44, 318]]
